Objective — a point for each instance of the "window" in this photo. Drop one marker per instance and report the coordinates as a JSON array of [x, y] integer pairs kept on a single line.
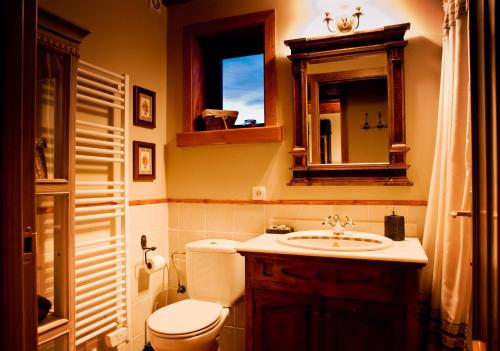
[[230, 64], [243, 87]]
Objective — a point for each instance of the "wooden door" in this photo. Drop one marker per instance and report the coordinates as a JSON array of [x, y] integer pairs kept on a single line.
[[485, 129], [354, 325], [285, 321], [18, 298]]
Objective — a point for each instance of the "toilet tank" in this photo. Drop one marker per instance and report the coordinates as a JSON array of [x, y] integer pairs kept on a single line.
[[215, 271]]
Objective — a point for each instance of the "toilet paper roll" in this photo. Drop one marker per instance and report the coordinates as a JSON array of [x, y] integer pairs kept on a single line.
[[155, 263]]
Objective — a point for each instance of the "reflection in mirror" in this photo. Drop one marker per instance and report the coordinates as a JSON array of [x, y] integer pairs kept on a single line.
[[352, 122], [348, 112], [363, 62]]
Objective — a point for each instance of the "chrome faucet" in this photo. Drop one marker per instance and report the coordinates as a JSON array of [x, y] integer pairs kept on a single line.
[[336, 223]]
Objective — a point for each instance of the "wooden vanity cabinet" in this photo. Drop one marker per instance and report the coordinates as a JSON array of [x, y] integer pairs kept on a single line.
[[312, 303]]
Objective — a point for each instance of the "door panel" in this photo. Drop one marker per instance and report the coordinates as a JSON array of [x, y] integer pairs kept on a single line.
[[18, 297], [285, 321], [358, 326]]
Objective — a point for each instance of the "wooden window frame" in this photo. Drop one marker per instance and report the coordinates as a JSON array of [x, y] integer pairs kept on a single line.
[[194, 84]]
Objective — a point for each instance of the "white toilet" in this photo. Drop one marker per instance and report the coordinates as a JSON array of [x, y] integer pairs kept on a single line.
[[215, 280]]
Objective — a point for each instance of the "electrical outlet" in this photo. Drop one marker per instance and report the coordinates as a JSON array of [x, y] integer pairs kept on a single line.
[[259, 193]]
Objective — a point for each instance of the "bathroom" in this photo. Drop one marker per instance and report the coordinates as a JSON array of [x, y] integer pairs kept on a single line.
[[206, 191]]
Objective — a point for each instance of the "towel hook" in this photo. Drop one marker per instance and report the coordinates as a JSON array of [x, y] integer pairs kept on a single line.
[[146, 249]]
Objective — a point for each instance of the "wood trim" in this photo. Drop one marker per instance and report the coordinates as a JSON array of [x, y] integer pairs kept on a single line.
[[47, 210], [345, 54], [361, 166], [352, 75], [231, 136], [301, 202], [174, 2], [54, 333], [147, 202], [269, 68], [315, 124], [194, 79], [326, 107], [358, 39], [356, 181], [62, 28], [485, 176], [344, 134], [18, 270]]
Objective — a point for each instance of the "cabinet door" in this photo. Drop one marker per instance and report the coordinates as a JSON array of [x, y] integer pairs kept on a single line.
[[351, 325], [285, 321]]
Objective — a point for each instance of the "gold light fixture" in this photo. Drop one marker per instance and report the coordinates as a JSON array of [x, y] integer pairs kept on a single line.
[[344, 24]]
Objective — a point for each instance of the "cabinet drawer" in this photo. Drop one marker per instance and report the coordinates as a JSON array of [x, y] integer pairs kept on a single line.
[[331, 277]]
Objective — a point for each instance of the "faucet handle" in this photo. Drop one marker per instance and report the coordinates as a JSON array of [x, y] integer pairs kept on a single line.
[[348, 222], [327, 220]]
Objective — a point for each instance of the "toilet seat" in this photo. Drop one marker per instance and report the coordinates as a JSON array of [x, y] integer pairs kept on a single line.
[[184, 319]]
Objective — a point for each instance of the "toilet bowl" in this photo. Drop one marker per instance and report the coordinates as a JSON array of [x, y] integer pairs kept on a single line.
[[188, 325], [215, 280]]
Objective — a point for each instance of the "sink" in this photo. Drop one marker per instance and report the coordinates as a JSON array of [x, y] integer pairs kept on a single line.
[[326, 240]]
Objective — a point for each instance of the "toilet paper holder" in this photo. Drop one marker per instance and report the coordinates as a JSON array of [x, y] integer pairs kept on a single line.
[[146, 249]]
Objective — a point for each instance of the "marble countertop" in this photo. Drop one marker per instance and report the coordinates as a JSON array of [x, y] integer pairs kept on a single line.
[[409, 250]]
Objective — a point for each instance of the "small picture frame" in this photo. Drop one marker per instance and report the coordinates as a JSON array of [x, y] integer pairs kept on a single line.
[[144, 155], [144, 107]]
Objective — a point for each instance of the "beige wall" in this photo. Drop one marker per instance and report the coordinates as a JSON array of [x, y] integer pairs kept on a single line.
[[229, 171], [128, 37]]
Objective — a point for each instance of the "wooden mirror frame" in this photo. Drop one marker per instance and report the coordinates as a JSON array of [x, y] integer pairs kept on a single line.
[[388, 40]]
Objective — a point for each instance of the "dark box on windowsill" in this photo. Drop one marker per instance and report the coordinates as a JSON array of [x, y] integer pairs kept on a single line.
[[218, 119]]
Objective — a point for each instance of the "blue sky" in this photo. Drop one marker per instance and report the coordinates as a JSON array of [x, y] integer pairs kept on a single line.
[[243, 87]]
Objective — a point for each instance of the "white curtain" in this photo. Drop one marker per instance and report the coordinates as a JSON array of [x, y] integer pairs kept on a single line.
[[446, 280]]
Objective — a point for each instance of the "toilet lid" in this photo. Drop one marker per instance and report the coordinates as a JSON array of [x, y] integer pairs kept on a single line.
[[184, 317]]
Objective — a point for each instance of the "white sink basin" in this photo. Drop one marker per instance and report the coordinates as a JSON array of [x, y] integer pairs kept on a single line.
[[326, 240]]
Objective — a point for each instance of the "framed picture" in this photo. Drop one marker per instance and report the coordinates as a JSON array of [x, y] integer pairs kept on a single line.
[[144, 107], [144, 160]]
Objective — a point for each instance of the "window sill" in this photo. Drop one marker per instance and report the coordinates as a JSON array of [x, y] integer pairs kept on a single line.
[[254, 135]]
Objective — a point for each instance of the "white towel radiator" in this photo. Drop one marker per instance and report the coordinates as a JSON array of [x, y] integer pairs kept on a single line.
[[101, 202]]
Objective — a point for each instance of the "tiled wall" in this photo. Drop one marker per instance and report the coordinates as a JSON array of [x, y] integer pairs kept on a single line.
[[189, 222], [148, 291]]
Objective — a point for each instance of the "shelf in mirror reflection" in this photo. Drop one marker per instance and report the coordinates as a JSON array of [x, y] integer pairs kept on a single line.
[[337, 108]]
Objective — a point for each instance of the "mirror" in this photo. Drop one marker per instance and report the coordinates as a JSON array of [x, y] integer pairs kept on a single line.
[[347, 111], [348, 93]]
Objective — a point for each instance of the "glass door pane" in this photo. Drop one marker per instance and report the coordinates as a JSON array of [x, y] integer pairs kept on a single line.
[[51, 115], [52, 260], [58, 344]]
